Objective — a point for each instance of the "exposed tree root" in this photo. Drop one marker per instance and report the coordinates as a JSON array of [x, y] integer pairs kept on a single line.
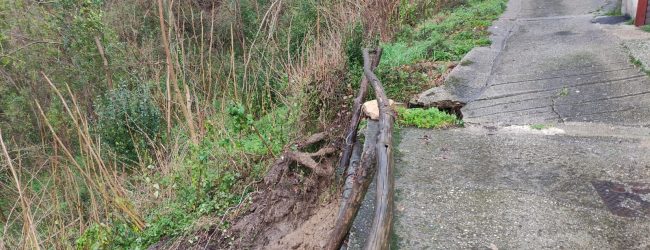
[[306, 160], [318, 137]]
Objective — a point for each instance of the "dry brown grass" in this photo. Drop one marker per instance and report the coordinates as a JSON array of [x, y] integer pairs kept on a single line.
[[61, 178]]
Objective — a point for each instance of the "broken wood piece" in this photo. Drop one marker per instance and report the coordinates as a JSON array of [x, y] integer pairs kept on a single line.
[[359, 177], [323, 151], [371, 108]]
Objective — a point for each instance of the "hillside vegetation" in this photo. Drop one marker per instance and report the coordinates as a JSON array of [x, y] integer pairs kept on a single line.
[[127, 123]]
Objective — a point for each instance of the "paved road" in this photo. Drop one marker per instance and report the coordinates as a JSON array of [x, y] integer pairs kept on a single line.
[[556, 67], [578, 182]]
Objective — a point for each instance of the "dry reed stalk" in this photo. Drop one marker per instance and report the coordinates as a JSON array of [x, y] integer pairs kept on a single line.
[[174, 63], [168, 108], [28, 222], [96, 172]]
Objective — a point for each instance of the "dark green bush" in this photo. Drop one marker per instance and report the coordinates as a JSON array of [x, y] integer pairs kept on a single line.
[[127, 119]]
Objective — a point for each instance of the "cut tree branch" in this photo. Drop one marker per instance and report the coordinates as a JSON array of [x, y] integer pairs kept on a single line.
[[351, 135], [312, 139]]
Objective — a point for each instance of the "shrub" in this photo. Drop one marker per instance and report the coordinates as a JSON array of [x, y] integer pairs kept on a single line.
[[127, 119], [97, 236]]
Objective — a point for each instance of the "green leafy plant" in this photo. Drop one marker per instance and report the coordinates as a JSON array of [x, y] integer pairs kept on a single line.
[[426, 118], [97, 236], [127, 119], [239, 120]]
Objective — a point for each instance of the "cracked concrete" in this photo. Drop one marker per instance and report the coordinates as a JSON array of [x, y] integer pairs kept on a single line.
[[500, 183], [544, 56], [536, 54], [515, 188], [554, 109]]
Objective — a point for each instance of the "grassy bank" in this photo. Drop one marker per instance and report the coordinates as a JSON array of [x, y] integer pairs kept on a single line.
[[426, 48]]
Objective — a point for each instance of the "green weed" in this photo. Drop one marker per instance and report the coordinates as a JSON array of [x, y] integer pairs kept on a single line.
[[426, 118], [564, 92], [646, 28], [614, 12], [538, 126], [97, 236], [639, 64], [466, 62], [127, 119]]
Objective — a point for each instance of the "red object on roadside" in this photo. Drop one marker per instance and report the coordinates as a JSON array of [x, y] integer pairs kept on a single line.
[[642, 13]]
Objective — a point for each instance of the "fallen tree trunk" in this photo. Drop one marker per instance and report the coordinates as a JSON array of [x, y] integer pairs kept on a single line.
[[357, 150], [357, 182], [381, 226]]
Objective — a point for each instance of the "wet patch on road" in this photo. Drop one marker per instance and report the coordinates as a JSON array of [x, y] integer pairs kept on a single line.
[[624, 199]]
